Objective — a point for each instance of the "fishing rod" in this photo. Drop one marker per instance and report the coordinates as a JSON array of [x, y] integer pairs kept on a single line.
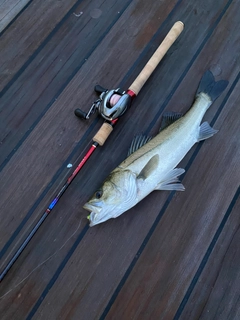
[[111, 105]]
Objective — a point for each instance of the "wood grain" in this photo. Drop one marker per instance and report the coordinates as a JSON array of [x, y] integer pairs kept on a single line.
[[216, 293], [9, 9], [26, 34]]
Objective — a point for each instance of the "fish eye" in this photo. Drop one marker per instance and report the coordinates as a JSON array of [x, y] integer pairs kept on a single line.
[[99, 194]]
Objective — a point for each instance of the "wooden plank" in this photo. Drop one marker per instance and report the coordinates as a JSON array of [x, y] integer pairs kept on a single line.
[[96, 264], [224, 300], [103, 275], [25, 35], [9, 9], [41, 83], [216, 293]]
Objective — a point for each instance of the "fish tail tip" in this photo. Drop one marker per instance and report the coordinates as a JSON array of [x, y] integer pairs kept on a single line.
[[209, 86]]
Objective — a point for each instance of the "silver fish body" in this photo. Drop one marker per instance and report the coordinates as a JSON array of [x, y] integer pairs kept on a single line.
[[153, 166]]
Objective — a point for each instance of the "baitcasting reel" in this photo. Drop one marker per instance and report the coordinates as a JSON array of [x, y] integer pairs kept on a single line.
[[106, 105]]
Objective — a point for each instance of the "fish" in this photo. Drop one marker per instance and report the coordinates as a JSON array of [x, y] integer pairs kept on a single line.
[[152, 162]]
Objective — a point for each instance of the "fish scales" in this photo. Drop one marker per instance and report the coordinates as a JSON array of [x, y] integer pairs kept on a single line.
[[179, 136], [153, 166]]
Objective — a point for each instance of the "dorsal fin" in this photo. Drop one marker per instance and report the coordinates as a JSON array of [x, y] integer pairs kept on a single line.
[[169, 118], [137, 143]]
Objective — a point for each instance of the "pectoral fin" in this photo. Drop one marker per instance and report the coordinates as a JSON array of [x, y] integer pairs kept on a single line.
[[171, 181], [206, 131], [149, 168]]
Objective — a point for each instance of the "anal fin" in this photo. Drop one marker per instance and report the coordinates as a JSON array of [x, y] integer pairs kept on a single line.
[[206, 131], [171, 181]]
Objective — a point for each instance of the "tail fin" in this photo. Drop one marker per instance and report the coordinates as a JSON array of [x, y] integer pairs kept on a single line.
[[211, 87]]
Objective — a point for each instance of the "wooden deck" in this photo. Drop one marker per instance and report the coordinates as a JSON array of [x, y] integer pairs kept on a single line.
[[173, 256]]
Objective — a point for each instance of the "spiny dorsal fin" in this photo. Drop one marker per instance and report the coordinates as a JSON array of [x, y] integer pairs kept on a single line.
[[137, 143], [168, 118], [149, 168]]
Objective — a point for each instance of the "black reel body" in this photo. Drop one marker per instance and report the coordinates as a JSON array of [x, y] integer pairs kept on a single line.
[[104, 106]]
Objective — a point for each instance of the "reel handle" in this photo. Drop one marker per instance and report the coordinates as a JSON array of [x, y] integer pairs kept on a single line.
[[80, 113], [99, 89], [170, 38]]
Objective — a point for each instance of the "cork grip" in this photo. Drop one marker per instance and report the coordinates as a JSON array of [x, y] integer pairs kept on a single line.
[[103, 133], [172, 35]]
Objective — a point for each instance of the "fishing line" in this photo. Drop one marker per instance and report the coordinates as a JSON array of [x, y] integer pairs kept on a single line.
[[39, 265]]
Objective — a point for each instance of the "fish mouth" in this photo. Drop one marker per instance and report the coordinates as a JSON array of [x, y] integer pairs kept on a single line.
[[96, 215], [94, 219], [94, 207]]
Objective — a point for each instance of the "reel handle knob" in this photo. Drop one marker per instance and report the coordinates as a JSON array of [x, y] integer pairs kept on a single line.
[[99, 89], [80, 114]]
